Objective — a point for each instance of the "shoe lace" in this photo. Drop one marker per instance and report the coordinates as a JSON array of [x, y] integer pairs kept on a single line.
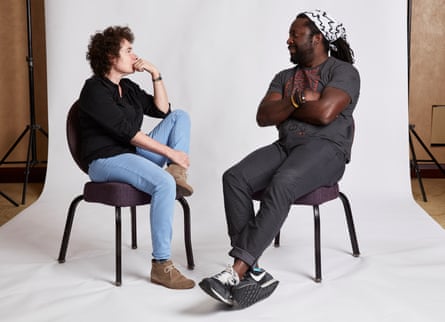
[[169, 268], [227, 276]]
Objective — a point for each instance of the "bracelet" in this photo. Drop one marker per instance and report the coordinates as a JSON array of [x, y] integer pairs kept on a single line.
[[158, 78], [292, 100], [302, 97]]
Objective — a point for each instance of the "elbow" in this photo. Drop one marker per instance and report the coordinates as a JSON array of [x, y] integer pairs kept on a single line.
[[324, 121], [327, 118], [261, 121]]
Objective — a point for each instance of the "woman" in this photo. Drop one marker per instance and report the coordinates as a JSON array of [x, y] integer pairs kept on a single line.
[[115, 149]]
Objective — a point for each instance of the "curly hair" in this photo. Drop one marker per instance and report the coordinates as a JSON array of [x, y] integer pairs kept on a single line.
[[344, 51], [104, 46]]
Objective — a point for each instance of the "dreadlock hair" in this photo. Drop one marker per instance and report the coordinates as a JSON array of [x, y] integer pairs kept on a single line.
[[105, 46], [344, 51]]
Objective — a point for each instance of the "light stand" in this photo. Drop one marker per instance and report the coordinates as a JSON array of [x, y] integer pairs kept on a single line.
[[32, 128]]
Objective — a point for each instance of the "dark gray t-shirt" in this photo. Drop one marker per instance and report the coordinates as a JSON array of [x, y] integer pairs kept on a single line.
[[333, 73]]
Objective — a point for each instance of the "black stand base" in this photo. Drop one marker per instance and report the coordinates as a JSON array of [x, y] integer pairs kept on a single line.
[[9, 199], [414, 161], [31, 159]]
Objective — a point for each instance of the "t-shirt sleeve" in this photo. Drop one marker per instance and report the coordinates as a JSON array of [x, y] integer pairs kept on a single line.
[[346, 77], [277, 83]]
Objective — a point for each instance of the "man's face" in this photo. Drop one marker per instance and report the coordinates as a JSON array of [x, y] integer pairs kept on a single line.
[[300, 44]]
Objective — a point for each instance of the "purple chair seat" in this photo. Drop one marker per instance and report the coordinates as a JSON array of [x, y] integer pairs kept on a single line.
[[318, 196], [117, 194], [315, 199]]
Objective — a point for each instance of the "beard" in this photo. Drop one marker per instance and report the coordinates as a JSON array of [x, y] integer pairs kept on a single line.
[[302, 55]]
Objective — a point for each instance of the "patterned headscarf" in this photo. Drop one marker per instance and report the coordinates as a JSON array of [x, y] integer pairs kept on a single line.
[[328, 26]]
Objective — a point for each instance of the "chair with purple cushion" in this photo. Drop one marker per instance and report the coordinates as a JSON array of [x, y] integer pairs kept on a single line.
[[315, 199], [116, 194]]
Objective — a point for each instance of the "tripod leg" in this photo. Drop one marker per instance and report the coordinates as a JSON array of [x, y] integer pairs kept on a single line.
[[416, 168], [9, 199], [14, 145], [29, 162], [43, 131], [427, 150]]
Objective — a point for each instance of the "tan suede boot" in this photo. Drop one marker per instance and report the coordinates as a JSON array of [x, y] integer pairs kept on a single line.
[[180, 175], [166, 274]]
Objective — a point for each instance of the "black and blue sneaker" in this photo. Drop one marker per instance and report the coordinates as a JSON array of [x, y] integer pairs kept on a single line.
[[220, 285], [256, 285]]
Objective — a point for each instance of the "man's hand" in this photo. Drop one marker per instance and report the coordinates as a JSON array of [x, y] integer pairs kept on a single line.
[[310, 95]]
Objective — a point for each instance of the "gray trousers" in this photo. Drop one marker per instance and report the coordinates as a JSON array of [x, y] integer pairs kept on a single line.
[[285, 174]]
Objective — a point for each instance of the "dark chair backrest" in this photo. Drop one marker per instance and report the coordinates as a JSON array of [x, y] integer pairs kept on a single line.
[[73, 134]]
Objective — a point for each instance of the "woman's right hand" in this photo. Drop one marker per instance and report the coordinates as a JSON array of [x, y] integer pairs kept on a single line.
[[180, 158], [145, 142]]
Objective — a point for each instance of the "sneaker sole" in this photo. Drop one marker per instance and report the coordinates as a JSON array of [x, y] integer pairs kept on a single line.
[[248, 294], [205, 286]]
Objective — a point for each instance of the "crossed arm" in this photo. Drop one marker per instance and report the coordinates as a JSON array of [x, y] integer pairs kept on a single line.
[[319, 109]]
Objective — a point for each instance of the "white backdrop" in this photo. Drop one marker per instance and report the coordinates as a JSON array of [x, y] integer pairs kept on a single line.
[[217, 59]]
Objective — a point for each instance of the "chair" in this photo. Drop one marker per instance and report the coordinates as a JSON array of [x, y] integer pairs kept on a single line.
[[315, 199], [116, 194]]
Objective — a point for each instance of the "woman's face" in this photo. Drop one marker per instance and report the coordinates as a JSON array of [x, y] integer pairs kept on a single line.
[[124, 64]]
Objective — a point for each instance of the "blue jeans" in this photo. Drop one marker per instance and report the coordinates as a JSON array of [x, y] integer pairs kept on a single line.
[[144, 170]]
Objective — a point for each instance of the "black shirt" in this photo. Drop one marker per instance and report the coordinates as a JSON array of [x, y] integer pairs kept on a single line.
[[107, 121]]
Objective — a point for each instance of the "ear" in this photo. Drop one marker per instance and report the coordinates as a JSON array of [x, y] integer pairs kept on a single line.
[[317, 39], [112, 59]]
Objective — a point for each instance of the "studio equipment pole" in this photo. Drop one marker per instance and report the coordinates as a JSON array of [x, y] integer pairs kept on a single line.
[[32, 128]]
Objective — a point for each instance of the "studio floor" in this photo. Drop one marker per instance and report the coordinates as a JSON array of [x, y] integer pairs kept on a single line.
[[398, 277]]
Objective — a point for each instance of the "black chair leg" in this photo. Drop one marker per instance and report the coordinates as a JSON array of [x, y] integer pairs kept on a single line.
[[118, 247], [187, 233], [134, 238], [317, 243], [68, 226], [350, 222]]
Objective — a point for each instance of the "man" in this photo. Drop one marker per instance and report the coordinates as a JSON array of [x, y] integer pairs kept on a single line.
[[311, 105]]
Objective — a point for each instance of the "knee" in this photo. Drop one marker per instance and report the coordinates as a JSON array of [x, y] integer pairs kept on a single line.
[[230, 177], [181, 115], [227, 176], [167, 186]]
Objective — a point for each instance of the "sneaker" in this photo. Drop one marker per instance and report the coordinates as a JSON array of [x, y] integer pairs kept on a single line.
[[220, 285], [256, 285]]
